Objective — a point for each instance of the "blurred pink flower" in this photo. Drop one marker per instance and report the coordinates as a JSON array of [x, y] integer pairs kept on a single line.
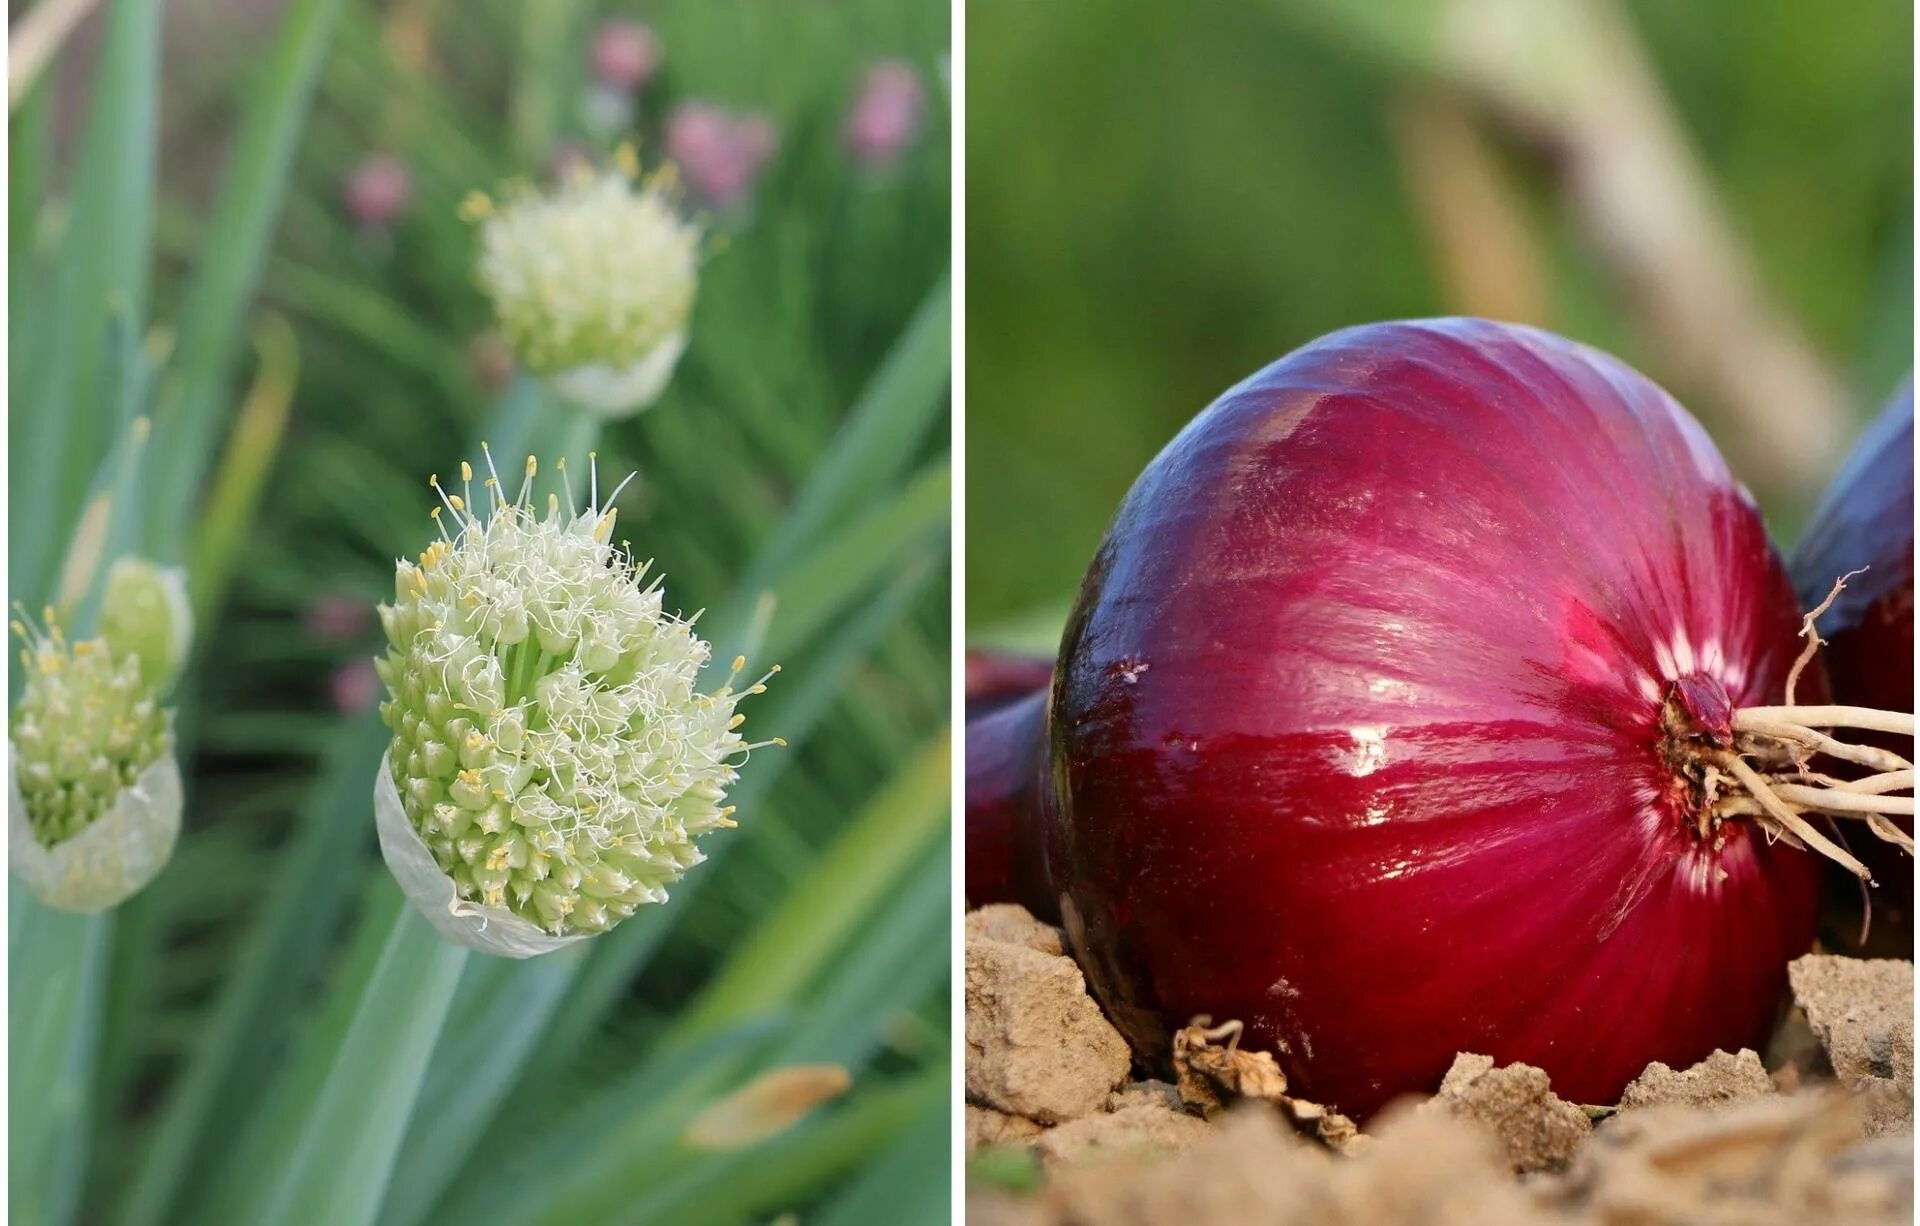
[[355, 686], [719, 154], [377, 190], [624, 56], [337, 617], [886, 116]]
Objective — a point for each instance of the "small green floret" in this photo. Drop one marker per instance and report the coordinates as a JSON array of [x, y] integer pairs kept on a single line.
[[86, 727], [551, 745]]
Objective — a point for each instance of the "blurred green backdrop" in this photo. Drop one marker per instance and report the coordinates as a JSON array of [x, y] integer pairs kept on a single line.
[[1163, 198]]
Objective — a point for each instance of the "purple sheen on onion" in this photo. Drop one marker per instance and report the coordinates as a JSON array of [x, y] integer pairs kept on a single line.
[[1392, 721]]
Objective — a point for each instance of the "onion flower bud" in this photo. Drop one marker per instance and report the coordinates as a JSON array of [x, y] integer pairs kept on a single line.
[[623, 56], [721, 154], [593, 283], [145, 613], [885, 117], [93, 790], [377, 191], [554, 760]]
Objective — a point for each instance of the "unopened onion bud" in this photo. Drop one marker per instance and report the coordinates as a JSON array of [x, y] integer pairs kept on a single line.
[[93, 791], [593, 282], [145, 613]]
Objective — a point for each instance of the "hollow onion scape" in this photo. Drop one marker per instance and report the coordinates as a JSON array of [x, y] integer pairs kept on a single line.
[[1437, 689], [93, 790], [554, 760], [593, 282]]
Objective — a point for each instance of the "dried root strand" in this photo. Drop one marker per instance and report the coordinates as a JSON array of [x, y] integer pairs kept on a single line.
[[1865, 719], [1835, 800], [1869, 756], [1871, 785], [1807, 632], [1787, 817]]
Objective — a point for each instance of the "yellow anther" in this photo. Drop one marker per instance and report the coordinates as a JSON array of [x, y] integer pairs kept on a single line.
[[476, 207], [739, 662], [735, 722], [626, 160], [466, 471]]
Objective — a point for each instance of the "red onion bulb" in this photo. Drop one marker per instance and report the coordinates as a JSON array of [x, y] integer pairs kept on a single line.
[[1864, 527], [1384, 720], [998, 678], [1864, 523]]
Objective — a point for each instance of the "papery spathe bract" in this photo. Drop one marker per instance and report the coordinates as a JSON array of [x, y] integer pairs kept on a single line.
[[93, 791], [593, 281], [553, 752]]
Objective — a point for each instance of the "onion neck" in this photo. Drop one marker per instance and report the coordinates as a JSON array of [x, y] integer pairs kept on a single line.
[[1007, 808]]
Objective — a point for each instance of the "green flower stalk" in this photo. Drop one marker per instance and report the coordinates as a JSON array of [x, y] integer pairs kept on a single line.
[[553, 760], [93, 790], [593, 282]]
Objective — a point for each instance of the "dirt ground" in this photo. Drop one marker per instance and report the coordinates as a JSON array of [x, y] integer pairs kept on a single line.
[[1819, 1128]]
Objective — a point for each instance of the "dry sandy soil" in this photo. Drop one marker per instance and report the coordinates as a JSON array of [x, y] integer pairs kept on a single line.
[[1059, 1131]]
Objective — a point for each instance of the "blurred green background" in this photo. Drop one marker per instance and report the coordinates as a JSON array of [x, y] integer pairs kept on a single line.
[[219, 1048], [1163, 198]]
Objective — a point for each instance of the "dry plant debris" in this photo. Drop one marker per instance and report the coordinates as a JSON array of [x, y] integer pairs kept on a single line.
[[1723, 1143]]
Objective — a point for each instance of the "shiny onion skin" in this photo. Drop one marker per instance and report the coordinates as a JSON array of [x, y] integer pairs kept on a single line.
[[1356, 732], [998, 678], [1006, 778], [1865, 519]]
